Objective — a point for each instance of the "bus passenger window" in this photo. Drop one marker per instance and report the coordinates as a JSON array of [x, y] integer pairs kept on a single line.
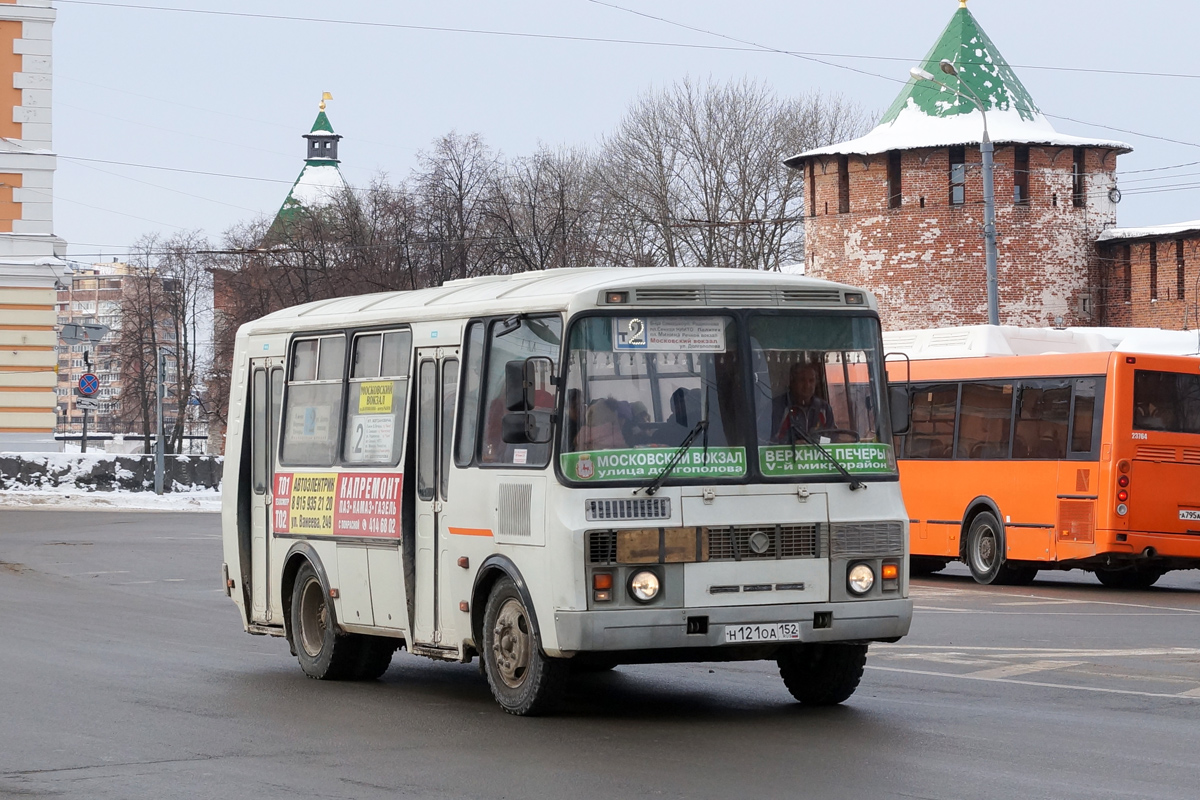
[[376, 401], [534, 336], [931, 434], [1084, 415], [1043, 409], [985, 420], [468, 409], [314, 402]]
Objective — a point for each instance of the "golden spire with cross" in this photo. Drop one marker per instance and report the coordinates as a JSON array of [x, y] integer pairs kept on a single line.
[[327, 96]]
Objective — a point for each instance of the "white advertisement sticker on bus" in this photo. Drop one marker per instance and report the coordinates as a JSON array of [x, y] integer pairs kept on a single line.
[[670, 334], [371, 438]]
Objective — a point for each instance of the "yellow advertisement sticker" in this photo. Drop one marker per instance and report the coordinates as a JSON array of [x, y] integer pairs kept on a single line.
[[311, 503], [375, 397]]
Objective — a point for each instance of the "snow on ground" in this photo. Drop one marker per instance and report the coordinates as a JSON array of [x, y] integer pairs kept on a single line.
[[73, 499]]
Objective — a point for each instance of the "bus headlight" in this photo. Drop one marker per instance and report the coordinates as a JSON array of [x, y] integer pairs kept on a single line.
[[860, 579], [643, 586]]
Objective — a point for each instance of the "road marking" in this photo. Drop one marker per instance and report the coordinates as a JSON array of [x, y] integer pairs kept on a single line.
[[1012, 670], [968, 677], [1006, 595], [1177, 612], [1054, 652], [1191, 692], [109, 572]]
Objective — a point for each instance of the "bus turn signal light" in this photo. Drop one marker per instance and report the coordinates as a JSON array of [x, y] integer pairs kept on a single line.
[[890, 572], [602, 580], [1123, 465]]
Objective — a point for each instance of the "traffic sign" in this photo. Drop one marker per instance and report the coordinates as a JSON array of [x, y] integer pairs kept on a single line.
[[79, 333], [90, 403], [89, 384]]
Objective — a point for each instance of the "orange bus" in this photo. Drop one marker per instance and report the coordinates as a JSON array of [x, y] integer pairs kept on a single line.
[[1068, 455]]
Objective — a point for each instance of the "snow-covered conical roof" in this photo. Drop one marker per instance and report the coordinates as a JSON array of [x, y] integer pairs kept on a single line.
[[320, 181], [928, 115]]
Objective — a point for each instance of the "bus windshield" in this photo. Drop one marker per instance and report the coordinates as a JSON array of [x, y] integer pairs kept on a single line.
[[637, 386], [1166, 401]]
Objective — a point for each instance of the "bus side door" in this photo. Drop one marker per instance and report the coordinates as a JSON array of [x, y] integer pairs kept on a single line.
[[437, 387], [266, 394]]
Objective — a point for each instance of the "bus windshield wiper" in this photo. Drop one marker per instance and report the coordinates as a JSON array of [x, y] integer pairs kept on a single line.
[[855, 483], [654, 485]]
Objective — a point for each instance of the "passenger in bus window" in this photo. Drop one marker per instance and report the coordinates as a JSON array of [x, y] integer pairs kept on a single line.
[[800, 408], [603, 428]]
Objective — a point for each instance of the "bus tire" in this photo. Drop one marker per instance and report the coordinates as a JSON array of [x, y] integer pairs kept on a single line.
[[822, 674], [524, 681], [374, 657], [323, 652], [919, 566], [1128, 578], [1018, 576], [985, 549]]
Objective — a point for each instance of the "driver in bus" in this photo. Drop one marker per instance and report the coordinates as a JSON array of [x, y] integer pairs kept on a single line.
[[800, 407]]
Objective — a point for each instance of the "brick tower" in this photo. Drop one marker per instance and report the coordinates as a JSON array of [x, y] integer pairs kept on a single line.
[[900, 210]]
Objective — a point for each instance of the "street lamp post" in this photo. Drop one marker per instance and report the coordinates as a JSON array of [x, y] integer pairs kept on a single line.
[[989, 196]]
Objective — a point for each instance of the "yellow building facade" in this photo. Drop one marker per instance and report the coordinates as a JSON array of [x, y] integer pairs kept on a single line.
[[31, 256]]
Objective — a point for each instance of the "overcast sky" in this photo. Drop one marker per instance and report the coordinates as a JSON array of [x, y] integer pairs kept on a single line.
[[233, 94]]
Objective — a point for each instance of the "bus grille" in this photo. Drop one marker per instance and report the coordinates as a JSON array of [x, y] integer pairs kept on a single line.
[[1076, 521], [1152, 453], [866, 539], [602, 547], [741, 296], [826, 297], [784, 541], [669, 296], [628, 508]]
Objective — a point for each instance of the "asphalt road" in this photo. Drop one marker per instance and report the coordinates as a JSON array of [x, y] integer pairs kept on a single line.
[[124, 674]]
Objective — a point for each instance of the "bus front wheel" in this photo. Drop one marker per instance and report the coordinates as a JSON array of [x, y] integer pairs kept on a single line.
[[323, 652], [822, 674], [524, 681]]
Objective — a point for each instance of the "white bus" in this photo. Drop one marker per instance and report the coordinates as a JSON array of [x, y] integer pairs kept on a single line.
[[569, 470]]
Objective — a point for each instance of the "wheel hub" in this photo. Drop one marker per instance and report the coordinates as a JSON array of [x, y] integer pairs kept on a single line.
[[511, 645], [985, 550], [314, 618]]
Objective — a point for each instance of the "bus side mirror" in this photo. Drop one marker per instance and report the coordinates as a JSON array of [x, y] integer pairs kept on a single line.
[[522, 380], [526, 388], [901, 408], [527, 427]]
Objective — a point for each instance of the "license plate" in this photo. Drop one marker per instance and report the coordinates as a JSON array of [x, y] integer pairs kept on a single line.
[[1191, 515], [770, 632]]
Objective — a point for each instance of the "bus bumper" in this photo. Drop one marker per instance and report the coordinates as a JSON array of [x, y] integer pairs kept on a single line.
[[659, 628]]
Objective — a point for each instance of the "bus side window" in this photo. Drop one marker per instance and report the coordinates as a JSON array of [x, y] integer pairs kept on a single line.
[[535, 336], [468, 409], [985, 420], [1083, 416], [375, 404], [933, 412], [314, 401], [1043, 408]]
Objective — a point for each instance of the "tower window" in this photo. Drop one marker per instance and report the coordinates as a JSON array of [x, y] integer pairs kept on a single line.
[[893, 179], [812, 188], [958, 176], [1179, 276], [1127, 270], [1077, 189], [1154, 270], [1021, 175], [843, 185]]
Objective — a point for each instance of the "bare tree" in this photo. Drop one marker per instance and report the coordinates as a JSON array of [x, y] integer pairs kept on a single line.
[[695, 174]]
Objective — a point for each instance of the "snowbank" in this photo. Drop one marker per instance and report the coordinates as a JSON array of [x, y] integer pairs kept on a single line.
[[74, 500], [103, 472]]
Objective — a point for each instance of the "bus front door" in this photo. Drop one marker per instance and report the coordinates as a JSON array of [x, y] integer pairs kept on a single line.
[[266, 395], [437, 387]]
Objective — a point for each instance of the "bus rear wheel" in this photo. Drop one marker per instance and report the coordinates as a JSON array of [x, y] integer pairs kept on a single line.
[[822, 674], [1128, 578], [524, 681], [323, 652]]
